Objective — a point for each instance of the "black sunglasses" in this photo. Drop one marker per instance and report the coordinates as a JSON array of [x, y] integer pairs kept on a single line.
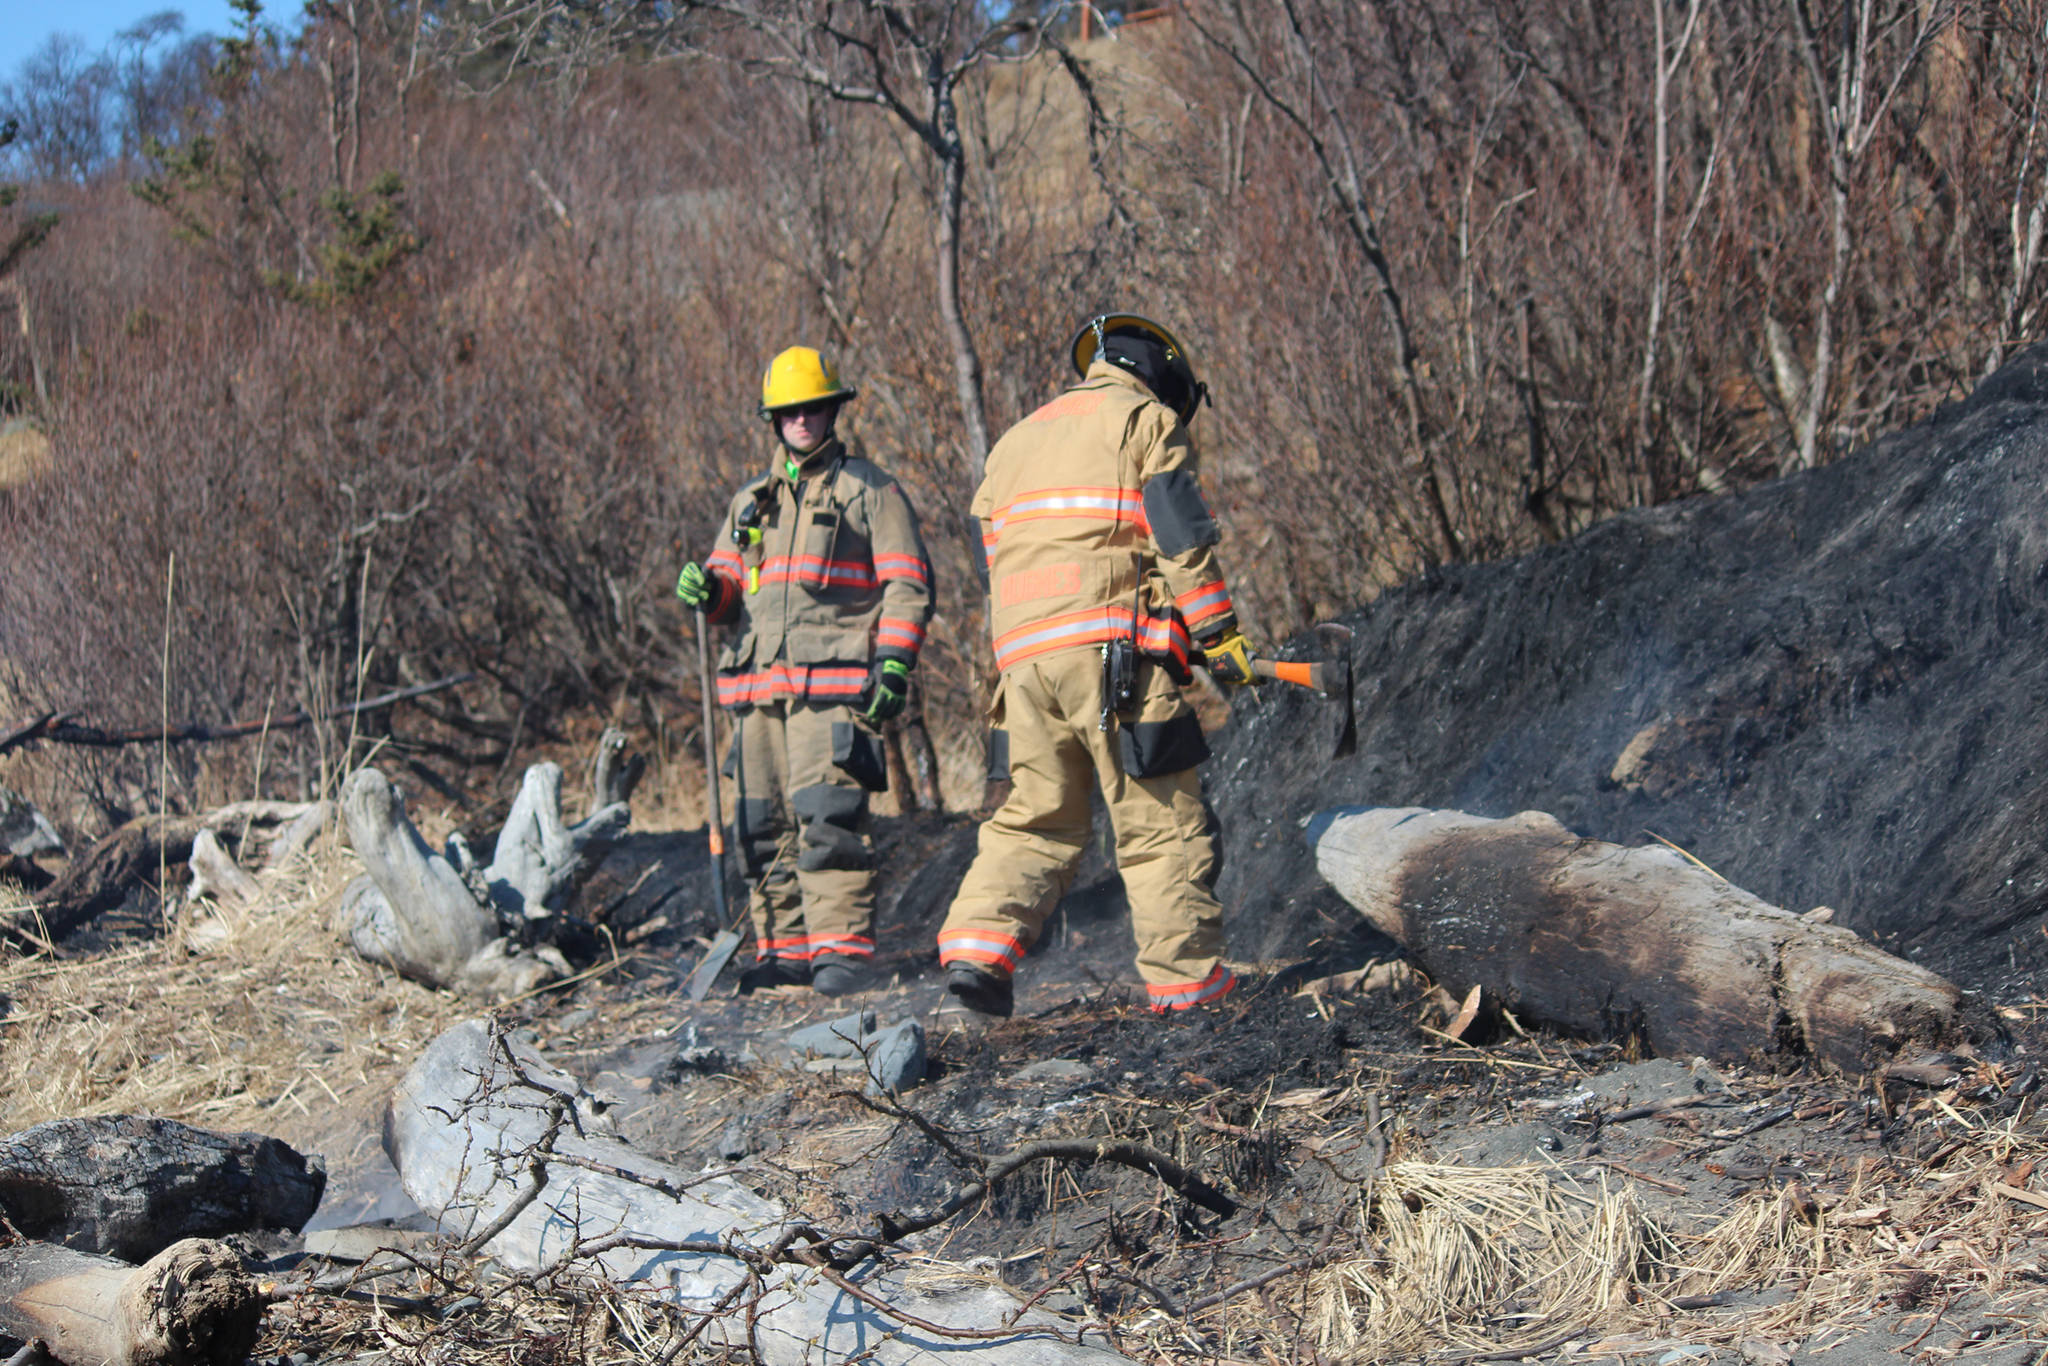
[[813, 409]]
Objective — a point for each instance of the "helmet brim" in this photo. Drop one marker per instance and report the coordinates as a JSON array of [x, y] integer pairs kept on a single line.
[[843, 394]]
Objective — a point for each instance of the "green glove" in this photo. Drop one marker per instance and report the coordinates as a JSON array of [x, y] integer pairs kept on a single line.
[[693, 585], [887, 690]]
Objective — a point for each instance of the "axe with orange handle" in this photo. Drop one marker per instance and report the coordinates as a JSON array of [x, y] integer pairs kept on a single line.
[[1330, 677]]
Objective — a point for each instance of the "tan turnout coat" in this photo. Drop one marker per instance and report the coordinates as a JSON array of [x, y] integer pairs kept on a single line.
[[839, 579], [1066, 532]]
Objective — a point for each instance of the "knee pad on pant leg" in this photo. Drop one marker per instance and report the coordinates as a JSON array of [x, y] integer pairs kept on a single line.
[[760, 830], [831, 819]]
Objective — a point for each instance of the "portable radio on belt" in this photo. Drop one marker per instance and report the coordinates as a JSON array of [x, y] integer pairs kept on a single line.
[[746, 534], [1119, 678], [1120, 663]]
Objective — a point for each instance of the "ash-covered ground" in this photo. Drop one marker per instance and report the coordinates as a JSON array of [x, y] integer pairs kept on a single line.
[[1830, 689]]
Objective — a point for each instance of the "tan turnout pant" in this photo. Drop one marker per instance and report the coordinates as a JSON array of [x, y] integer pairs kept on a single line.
[[802, 831], [1165, 834]]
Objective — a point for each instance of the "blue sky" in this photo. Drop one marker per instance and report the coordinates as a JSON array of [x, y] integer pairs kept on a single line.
[[26, 24]]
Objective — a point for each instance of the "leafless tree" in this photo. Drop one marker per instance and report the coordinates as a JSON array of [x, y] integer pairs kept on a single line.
[[59, 94], [1857, 56]]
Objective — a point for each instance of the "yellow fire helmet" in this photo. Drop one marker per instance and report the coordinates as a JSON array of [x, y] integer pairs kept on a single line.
[[1102, 324], [799, 376]]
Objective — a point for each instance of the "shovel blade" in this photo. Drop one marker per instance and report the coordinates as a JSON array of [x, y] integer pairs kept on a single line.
[[715, 958]]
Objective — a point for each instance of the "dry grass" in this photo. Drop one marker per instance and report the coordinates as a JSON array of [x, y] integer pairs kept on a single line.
[[1918, 1236], [1472, 1257], [24, 454], [1485, 1260], [240, 1037]]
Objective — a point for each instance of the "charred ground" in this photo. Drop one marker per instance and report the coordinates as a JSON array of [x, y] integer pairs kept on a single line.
[[1828, 688]]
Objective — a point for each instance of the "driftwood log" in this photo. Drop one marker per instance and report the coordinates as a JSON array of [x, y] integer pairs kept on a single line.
[[101, 879], [504, 1151], [440, 919], [190, 1305], [1602, 940], [129, 1187]]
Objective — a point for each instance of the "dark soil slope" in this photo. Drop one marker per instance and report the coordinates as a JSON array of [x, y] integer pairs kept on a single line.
[[1830, 689]]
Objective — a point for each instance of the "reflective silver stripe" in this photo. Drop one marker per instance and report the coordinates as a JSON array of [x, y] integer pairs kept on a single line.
[[1109, 619], [960, 940], [1218, 982]]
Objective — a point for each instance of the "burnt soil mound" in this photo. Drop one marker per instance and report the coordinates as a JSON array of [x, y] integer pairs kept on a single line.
[[1827, 688]]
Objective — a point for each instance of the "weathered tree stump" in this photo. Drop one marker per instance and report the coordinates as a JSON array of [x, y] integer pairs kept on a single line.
[[440, 919], [129, 1186], [1603, 940], [190, 1305], [476, 1114]]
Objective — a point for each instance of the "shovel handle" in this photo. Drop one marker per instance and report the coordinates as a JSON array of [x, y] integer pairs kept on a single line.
[[714, 824]]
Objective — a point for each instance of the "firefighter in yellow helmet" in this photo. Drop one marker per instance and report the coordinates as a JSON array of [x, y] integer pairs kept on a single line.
[[821, 572], [1103, 583]]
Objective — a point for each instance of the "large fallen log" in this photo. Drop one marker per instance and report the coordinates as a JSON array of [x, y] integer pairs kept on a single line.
[[440, 919], [129, 1186], [504, 1150], [1602, 940], [190, 1305]]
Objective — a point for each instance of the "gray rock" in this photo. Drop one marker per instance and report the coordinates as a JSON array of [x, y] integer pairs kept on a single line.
[[735, 1142], [896, 1060], [845, 1037], [1691, 1352], [23, 830], [1057, 1072], [834, 1066]]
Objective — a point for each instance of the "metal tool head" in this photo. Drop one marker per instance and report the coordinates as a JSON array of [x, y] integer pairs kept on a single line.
[[711, 964], [1329, 677], [1336, 638]]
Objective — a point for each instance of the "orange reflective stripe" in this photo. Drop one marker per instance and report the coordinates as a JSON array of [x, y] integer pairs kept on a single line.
[[1165, 636], [991, 947], [905, 635], [1159, 636], [1181, 995], [789, 680], [852, 945], [1061, 632], [907, 567], [839, 573], [1100, 504]]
